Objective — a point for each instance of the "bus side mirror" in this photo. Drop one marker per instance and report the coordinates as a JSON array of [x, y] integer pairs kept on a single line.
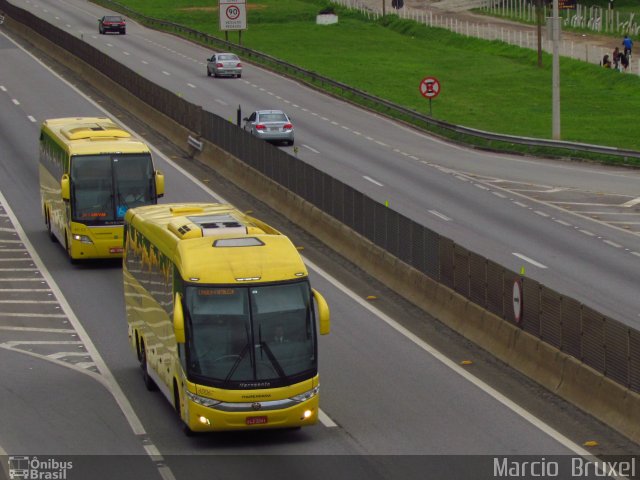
[[323, 313], [178, 319], [159, 183], [65, 188]]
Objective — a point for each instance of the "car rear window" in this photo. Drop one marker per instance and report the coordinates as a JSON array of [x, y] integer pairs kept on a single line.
[[273, 117], [227, 57], [113, 19]]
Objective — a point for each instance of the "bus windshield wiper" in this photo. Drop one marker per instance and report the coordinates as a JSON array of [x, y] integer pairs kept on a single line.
[[272, 358], [236, 364]]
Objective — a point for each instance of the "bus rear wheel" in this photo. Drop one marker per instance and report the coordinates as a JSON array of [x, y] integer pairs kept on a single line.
[[148, 381], [47, 220]]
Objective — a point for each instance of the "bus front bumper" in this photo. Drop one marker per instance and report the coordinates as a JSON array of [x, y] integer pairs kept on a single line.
[[206, 419], [104, 245]]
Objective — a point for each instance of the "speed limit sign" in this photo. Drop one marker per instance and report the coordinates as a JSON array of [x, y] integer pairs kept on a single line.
[[233, 14]]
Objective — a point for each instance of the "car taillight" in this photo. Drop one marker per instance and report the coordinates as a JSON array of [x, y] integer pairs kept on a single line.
[[219, 65], [260, 127], [239, 65], [287, 126]]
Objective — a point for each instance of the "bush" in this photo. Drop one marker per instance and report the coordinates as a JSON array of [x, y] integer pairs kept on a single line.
[[328, 10]]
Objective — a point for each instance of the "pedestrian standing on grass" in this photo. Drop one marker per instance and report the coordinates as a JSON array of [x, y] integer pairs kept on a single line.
[[624, 62], [615, 58], [606, 63]]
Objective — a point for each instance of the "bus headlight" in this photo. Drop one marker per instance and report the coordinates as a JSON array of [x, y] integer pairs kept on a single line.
[[82, 239], [204, 401], [303, 397]]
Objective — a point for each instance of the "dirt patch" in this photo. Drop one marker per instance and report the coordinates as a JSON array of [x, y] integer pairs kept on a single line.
[[198, 9], [249, 6]]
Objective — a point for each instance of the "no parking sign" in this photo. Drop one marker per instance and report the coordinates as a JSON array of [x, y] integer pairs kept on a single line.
[[429, 88]]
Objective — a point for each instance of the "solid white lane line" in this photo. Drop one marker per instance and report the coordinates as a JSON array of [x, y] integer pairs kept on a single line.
[[326, 420], [373, 181], [529, 260], [106, 378], [517, 409]]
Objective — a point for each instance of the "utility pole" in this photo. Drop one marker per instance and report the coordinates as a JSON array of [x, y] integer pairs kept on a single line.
[[555, 81], [539, 18]]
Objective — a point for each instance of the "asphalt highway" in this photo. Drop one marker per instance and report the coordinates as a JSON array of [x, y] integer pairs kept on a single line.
[[575, 227], [71, 385]]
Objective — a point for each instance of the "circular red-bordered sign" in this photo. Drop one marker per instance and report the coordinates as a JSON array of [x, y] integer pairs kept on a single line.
[[233, 12], [429, 87]]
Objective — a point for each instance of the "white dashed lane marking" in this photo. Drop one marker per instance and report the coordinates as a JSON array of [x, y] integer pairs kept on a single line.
[[369, 179], [529, 260]]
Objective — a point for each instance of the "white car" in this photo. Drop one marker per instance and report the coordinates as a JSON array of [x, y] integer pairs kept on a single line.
[[270, 125], [224, 64]]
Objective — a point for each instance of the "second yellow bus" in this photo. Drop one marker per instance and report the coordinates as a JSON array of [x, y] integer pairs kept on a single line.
[[91, 172]]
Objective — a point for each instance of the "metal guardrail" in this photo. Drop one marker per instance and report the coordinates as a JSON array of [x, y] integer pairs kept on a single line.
[[366, 98]]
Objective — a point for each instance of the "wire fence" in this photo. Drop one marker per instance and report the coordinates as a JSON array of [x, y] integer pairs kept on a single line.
[[523, 37]]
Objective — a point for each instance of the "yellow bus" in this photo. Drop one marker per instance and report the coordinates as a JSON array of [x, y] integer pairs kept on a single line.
[[91, 172], [222, 317]]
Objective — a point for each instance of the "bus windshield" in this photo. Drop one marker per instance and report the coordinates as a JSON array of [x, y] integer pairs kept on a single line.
[[105, 186], [251, 337]]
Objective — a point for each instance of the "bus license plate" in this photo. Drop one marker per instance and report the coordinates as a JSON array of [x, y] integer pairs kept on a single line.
[[256, 420]]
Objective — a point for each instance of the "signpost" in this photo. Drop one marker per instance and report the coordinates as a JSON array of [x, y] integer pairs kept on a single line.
[[430, 88], [233, 16]]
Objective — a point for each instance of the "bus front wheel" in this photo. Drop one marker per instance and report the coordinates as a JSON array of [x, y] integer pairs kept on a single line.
[[176, 403], [68, 248]]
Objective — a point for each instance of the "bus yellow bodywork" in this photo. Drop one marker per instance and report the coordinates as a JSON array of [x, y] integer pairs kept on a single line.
[[91, 171], [221, 316]]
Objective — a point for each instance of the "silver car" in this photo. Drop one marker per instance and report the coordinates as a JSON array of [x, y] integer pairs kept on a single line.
[[270, 125], [224, 64]]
